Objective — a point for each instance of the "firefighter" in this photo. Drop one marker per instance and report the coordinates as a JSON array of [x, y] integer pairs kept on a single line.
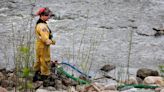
[[43, 42]]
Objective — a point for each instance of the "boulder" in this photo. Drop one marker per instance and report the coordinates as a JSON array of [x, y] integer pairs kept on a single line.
[[154, 80], [144, 72]]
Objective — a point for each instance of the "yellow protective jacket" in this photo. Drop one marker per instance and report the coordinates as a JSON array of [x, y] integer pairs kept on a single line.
[[43, 34]]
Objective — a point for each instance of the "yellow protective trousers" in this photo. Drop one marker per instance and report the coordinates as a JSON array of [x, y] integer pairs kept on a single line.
[[42, 63]]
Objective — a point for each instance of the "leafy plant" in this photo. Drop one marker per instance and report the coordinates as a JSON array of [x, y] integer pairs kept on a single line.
[[161, 69], [26, 72]]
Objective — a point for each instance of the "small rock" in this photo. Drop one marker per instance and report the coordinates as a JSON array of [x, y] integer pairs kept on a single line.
[[82, 77], [64, 87], [131, 80], [66, 82], [51, 88], [80, 88], [110, 87], [54, 76], [158, 89], [139, 80], [2, 89], [41, 90], [58, 84], [162, 90], [3, 70], [108, 68], [72, 89], [37, 84], [11, 77], [2, 77], [5, 83], [47, 83]]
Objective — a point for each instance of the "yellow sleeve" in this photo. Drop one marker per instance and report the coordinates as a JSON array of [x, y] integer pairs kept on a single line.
[[43, 32]]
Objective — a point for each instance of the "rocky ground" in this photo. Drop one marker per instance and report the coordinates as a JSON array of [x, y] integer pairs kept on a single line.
[[97, 30], [146, 80]]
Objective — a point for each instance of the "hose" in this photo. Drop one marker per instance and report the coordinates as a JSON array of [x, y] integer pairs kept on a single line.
[[61, 70], [137, 86], [76, 69]]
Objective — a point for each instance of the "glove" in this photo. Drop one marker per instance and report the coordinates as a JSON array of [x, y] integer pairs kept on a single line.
[[54, 35]]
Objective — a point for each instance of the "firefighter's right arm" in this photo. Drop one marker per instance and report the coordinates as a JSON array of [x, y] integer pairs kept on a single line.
[[44, 34]]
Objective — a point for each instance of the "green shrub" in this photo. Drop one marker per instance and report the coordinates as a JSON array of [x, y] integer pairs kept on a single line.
[[161, 69]]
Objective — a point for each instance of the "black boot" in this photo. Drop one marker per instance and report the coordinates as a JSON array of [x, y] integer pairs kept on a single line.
[[43, 77], [45, 80], [36, 76]]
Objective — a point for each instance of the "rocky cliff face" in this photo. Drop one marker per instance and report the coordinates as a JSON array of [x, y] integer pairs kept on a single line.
[[92, 32]]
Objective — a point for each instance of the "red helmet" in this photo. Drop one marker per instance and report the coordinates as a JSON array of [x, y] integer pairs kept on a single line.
[[44, 11], [41, 10]]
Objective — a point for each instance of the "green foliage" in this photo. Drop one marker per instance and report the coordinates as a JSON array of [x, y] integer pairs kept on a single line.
[[26, 72], [24, 49], [161, 69], [29, 85], [24, 59]]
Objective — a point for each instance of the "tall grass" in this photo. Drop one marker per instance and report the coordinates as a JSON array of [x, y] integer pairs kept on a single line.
[[129, 52], [23, 52]]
